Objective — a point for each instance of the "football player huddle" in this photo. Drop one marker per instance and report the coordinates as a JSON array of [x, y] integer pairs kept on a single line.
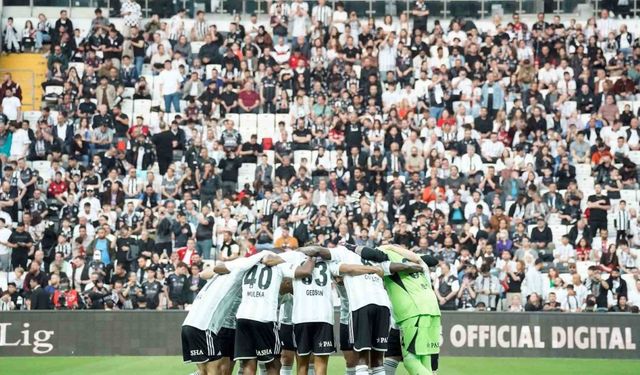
[[270, 308]]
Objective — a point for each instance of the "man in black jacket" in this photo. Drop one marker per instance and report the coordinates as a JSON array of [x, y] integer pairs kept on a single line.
[[580, 230], [164, 149], [229, 166], [39, 297]]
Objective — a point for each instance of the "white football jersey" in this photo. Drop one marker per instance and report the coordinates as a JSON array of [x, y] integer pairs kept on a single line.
[[362, 290], [312, 296], [345, 313], [216, 298], [260, 291]]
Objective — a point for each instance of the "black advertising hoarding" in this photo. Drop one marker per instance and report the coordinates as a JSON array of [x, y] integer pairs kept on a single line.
[[491, 334]]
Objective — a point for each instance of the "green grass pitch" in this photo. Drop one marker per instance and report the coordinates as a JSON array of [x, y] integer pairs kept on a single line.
[[448, 366]]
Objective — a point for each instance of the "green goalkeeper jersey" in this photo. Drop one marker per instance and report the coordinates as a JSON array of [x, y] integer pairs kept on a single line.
[[411, 295]]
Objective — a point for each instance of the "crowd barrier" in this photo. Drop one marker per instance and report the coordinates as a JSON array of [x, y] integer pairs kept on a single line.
[[143, 333]]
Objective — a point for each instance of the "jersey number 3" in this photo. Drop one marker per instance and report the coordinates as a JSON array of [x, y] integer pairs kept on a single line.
[[322, 280]]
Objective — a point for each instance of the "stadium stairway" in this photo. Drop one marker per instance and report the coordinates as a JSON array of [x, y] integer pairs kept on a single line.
[[29, 70]]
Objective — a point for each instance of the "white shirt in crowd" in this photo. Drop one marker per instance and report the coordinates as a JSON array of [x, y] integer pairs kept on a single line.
[[169, 81], [11, 107]]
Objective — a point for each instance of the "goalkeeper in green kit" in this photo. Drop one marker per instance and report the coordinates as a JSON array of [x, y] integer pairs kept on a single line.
[[414, 304]]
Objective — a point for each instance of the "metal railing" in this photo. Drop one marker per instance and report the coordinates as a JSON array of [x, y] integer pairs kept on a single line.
[[481, 9]]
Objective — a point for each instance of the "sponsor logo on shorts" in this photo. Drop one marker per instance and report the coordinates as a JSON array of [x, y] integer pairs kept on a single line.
[[264, 352], [382, 340], [325, 344], [197, 352]]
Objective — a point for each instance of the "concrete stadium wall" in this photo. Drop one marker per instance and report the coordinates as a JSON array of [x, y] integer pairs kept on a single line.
[[141, 333]]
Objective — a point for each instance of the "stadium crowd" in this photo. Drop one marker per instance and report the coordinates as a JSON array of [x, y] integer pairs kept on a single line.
[[509, 152]]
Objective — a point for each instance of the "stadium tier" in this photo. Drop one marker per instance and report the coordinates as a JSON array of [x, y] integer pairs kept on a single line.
[[145, 146]]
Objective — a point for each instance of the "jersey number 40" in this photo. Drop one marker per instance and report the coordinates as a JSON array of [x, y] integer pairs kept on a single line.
[[263, 280]]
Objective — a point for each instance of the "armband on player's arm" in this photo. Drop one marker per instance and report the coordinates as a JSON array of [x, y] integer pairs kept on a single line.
[[429, 260], [373, 255], [405, 267]]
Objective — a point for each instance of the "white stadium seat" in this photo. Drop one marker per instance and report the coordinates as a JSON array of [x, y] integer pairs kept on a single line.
[[247, 125]]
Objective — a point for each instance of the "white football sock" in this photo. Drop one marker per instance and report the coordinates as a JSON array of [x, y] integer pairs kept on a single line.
[[350, 371], [390, 366], [378, 371], [311, 370], [263, 368], [362, 370], [286, 370]]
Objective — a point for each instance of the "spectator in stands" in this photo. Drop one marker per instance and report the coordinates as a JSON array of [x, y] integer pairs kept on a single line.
[[424, 146]]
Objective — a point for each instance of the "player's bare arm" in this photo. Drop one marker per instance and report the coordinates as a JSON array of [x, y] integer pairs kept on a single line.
[[316, 251], [210, 272], [359, 269], [305, 270], [272, 260]]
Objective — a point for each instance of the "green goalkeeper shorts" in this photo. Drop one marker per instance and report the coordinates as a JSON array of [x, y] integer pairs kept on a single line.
[[421, 335]]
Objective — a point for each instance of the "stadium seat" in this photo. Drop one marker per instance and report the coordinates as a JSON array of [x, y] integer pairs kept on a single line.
[[247, 125], [235, 119], [457, 105], [622, 103], [270, 156], [43, 167], [32, 117], [79, 67], [128, 92], [141, 106], [509, 106], [209, 68], [628, 195], [246, 175], [634, 156], [286, 118], [127, 108], [571, 106], [147, 70], [169, 117], [266, 126], [357, 69], [301, 154], [52, 89], [195, 47], [135, 202]]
